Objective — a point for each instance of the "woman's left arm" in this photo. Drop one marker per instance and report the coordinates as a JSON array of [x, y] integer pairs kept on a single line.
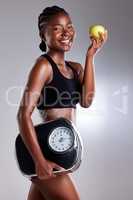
[[87, 76]]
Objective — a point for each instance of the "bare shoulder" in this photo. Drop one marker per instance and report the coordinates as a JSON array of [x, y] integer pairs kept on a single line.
[[40, 70], [38, 76], [41, 65]]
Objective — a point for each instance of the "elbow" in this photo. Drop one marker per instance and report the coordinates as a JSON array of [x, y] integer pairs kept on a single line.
[[86, 104], [87, 97]]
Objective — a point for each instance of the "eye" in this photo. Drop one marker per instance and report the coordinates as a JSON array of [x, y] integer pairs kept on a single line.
[[70, 26], [57, 28]]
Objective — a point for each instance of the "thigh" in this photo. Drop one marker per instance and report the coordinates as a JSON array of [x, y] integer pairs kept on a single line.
[[34, 193], [60, 188]]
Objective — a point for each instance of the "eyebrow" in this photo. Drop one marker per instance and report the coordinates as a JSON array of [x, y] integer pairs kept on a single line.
[[61, 24]]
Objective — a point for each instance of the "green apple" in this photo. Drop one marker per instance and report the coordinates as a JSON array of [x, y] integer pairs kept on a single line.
[[95, 29]]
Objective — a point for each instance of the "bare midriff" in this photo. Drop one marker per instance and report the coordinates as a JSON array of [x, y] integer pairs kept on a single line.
[[54, 113]]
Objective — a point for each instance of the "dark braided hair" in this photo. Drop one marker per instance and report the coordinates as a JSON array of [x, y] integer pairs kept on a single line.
[[44, 18]]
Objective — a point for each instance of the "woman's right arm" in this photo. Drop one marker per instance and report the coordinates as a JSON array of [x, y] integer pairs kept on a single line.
[[38, 77]]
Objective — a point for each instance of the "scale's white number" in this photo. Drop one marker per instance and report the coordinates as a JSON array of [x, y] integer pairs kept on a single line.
[[61, 139]]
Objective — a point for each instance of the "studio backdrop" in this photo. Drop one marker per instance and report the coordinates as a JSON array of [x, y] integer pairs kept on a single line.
[[106, 172]]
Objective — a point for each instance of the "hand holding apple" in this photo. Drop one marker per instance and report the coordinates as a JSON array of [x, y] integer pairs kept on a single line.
[[98, 35]]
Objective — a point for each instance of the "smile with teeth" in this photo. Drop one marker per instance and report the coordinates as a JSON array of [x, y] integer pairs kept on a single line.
[[65, 41]]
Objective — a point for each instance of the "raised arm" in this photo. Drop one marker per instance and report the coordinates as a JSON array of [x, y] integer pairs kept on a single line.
[[87, 74]]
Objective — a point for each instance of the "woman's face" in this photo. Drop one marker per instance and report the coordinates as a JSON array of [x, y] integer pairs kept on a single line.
[[59, 33]]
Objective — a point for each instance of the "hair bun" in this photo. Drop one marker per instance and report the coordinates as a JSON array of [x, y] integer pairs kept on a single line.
[[43, 46]]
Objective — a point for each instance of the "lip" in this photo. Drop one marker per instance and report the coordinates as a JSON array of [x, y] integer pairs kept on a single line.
[[66, 41]]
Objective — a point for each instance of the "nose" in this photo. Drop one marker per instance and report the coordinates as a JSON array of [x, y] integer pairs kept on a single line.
[[65, 33]]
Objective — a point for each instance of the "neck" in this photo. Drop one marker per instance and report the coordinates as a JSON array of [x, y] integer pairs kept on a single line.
[[58, 56]]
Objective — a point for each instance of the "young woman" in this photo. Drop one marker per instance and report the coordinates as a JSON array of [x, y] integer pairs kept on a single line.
[[50, 69]]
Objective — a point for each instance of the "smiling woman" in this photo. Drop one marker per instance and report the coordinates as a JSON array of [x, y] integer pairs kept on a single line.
[[61, 23], [53, 34], [55, 86]]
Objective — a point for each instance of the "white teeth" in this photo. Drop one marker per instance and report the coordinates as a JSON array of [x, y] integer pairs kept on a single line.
[[65, 41]]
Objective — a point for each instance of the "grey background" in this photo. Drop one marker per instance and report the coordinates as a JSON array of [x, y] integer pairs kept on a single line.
[[106, 172]]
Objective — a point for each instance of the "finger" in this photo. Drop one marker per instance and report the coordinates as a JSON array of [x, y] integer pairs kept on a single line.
[[51, 175], [105, 34], [92, 39], [98, 40], [98, 43], [94, 42], [101, 36], [65, 172], [58, 166], [44, 177]]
